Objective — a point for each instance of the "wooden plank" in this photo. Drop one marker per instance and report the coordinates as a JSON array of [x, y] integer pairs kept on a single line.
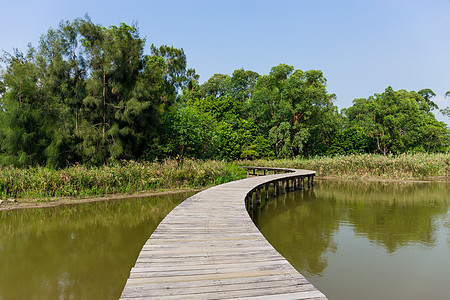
[[208, 247]]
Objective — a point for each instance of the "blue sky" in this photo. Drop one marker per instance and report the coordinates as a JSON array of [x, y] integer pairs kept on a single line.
[[361, 46]]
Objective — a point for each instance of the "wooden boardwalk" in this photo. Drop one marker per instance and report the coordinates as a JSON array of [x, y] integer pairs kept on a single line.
[[209, 248]]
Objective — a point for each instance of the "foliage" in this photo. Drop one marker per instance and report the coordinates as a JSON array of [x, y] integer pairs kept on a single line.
[[352, 140], [90, 96], [241, 140], [188, 133], [294, 111], [398, 122]]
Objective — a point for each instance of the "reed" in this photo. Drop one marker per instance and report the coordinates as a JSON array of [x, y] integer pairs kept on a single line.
[[134, 177], [419, 166], [116, 178]]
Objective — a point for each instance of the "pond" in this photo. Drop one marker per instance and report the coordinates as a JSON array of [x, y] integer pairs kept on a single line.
[[365, 240], [82, 251], [353, 240]]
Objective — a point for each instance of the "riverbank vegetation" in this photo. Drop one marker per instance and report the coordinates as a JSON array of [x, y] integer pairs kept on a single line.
[[80, 109], [116, 178], [128, 177], [419, 166]]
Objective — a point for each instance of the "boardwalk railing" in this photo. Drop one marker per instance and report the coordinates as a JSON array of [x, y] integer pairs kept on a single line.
[[280, 185], [209, 248]]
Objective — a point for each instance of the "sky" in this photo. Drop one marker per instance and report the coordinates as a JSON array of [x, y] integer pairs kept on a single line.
[[362, 47]]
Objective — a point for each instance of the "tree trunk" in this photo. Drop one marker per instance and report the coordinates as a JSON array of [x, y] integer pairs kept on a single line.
[[104, 105]]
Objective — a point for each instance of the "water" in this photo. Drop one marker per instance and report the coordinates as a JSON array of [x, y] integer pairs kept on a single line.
[[82, 251], [365, 240], [353, 240]]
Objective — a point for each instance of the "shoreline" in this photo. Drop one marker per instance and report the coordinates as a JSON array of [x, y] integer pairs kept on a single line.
[[53, 202]]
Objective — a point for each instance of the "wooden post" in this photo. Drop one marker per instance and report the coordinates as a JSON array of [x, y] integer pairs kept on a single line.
[[258, 195], [312, 180], [267, 191], [309, 181], [275, 188], [303, 183], [287, 185], [283, 186], [265, 172], [293, 185], [248, 201]]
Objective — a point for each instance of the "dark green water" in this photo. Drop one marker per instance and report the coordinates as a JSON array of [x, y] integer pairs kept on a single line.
[[356, 240], [82, 251]]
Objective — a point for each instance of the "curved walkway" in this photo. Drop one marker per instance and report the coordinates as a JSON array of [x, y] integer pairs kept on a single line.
[[209, 248]]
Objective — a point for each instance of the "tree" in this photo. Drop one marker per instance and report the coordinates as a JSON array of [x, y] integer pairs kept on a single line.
[[223, 108], [294, 111], [397, 123], [176, 74], [243, 84], [22, 119], [188, 133], [62, 76], [352, 140], [240, 139], [218, 85], [427, 94]]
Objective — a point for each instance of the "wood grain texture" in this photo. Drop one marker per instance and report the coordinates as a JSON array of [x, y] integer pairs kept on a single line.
[[209, 248]]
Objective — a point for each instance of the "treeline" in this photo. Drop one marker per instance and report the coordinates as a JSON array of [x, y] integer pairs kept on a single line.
[[90, 94]]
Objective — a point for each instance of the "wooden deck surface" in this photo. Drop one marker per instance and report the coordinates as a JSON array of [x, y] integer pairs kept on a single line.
[[209, 248]]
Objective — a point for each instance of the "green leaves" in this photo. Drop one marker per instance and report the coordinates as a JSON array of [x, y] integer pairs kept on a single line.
[[399, 122], [188, 133], [293, 109]]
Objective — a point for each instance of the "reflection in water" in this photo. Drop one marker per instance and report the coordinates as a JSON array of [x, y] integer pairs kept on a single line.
[[350, 238], [82, 251]]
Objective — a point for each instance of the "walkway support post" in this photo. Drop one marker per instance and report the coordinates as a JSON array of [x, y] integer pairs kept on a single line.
[[275, 188]]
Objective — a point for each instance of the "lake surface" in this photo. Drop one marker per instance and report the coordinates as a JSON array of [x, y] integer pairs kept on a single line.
[[365, 240], [82, 251], [353, 240]]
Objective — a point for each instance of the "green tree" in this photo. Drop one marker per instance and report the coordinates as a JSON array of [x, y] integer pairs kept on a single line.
[[243, 84], [427, 94], [114, 56], [217, 85], [188, 133], [23, 136], [176, 74], [62, 79], [396, 122], [352, 140], [294, 111], [239, 140]]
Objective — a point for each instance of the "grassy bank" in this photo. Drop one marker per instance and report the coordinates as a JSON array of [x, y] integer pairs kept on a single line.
[[410, 166], [135, 177], [120, 177]]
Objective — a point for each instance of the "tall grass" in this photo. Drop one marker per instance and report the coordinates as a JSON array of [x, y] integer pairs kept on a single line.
[[119, 177], [133, 177], [406, 166]]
